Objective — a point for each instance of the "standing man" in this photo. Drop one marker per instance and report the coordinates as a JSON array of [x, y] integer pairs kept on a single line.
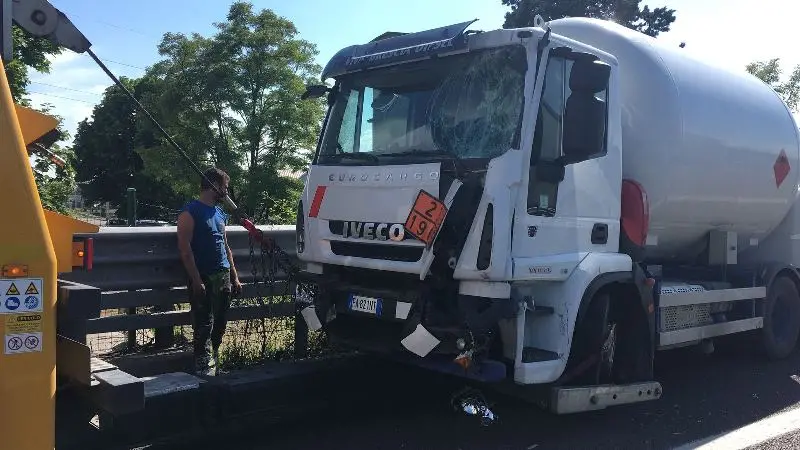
[[209, 265]]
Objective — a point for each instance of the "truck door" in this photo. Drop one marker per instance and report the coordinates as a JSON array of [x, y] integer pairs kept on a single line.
[[561, 218]]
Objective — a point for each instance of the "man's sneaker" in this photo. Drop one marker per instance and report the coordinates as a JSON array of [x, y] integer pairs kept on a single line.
[[212, 367]]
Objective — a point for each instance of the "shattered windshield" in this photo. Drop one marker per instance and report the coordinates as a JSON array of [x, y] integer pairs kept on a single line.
[[467, 106]]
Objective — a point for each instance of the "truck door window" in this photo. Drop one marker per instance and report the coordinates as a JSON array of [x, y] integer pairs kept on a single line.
[[547, 140]]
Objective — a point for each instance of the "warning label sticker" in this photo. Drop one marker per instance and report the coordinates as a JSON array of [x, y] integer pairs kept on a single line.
[[13, 300], [12, 290], [31, 289], [23, 323], [23, 343]]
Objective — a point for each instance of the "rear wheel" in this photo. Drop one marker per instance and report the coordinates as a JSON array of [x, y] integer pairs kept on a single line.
[[781, 319]]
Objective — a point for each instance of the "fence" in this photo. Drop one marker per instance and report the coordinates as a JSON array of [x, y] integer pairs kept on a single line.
[[144, 298]]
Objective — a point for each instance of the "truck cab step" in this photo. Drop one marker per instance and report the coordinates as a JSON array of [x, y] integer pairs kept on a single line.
[[533, 354]]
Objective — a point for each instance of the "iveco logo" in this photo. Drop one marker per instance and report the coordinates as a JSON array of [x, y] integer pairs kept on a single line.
[[374, 230], [386, 177]]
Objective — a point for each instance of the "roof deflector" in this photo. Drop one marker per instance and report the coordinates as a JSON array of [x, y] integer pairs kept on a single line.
[[394, 47]]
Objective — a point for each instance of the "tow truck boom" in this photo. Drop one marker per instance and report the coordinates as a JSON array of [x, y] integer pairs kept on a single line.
[[41, 19]]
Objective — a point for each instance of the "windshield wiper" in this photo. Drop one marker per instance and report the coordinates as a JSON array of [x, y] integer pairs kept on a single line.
[[363, 156]]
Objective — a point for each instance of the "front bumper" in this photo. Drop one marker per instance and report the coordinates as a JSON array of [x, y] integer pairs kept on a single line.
[[405, 326]]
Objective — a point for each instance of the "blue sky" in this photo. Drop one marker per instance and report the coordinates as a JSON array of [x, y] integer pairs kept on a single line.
[[125, 33]]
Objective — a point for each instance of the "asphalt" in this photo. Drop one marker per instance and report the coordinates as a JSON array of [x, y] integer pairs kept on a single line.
[[704, 395]]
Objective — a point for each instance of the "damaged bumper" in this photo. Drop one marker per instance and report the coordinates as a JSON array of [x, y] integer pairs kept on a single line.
[[409, 323]]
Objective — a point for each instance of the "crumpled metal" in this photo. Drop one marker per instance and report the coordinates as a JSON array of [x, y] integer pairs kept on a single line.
[[472, 403]]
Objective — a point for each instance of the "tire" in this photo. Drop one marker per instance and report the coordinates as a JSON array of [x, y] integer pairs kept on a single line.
[[590, 335], [781, 319]]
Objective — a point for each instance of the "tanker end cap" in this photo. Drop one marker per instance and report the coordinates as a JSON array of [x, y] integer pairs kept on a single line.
[[40, 18]]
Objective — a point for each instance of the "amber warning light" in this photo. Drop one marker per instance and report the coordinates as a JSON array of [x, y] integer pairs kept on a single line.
[[83, 253], [15, 271]]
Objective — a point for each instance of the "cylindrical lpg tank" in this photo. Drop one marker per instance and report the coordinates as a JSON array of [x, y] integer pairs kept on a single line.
[[710, 146]]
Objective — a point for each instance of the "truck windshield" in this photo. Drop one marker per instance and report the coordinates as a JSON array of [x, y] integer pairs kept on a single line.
[[463, 106]]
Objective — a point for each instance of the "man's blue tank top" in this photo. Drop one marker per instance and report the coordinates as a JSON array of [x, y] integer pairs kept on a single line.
[[208, 244]]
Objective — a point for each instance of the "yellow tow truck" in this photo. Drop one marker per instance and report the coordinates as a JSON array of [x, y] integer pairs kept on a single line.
[[35, 246]]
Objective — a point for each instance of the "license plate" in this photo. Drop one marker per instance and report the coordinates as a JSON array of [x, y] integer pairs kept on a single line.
[[364, 304]]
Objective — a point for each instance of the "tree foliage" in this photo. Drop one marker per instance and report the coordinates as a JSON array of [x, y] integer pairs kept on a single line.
[[108, 164], [231, 100], [770, 72], [29, 52], [625, 12], [55, 184]]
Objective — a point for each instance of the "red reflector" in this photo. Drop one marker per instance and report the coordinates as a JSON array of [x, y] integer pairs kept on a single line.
[[317, 202], [781, 168], [635, 212], [89, 254]]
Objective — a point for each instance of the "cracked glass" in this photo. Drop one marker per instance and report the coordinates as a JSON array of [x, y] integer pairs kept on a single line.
[[467, 106]]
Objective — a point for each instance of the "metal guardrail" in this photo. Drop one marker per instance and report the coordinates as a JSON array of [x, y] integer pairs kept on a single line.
[[141, 267]]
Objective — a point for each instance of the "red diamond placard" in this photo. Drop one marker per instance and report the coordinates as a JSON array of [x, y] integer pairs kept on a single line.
[[781, 168]]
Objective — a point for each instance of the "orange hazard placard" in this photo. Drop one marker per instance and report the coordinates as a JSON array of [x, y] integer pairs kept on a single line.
[[426, 217]]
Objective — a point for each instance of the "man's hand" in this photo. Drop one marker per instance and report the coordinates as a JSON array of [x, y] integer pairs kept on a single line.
[[198, 288], [236, 286]]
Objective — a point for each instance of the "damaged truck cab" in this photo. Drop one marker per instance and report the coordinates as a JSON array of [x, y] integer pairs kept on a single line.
[[469, 208]]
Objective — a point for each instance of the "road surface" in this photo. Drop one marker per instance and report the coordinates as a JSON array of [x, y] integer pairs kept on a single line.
[[705, 397]]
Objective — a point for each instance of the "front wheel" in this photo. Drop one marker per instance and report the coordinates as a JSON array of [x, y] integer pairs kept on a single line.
[[781, 319]]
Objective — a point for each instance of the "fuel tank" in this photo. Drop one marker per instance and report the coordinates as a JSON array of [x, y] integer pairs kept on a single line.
[[713, 148]]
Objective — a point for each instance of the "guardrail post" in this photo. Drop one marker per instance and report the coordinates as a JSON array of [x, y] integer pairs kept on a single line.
[[131, 207], [300, 331], [131, 341], [165, 336]]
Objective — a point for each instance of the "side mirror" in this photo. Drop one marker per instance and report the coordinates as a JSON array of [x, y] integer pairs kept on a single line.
[[585, 115], [315, 91]]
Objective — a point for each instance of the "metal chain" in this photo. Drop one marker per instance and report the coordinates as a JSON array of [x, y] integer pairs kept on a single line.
[[277, 260], [254, 269]]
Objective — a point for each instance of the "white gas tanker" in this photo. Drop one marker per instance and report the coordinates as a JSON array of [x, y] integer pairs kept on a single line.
[[549, 206]]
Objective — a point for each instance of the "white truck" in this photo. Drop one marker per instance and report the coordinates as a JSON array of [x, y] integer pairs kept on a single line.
[[549, 206]]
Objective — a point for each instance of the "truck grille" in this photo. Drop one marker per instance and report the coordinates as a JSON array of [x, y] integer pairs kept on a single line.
[[377, 251]]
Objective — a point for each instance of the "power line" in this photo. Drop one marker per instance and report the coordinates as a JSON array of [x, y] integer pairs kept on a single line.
[[108, 24], [58, 96], [124, 64], [65, 88]]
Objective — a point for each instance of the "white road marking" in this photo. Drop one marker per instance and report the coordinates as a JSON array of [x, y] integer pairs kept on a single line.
[[749, 435]]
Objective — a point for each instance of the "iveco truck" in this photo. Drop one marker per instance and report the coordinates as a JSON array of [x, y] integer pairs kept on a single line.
[[549, 206]]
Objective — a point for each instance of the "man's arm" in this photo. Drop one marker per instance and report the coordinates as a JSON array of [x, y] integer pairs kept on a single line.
[[236, 285], [234, 274], [185, 230]]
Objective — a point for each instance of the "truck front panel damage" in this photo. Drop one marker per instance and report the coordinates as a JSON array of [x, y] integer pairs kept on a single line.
[[448, 128]]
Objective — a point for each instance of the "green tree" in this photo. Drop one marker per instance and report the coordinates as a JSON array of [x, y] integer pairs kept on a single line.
[[107, 163], [770, 72], [55, 182], [232, 100], [625, 12], [29, 52]]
